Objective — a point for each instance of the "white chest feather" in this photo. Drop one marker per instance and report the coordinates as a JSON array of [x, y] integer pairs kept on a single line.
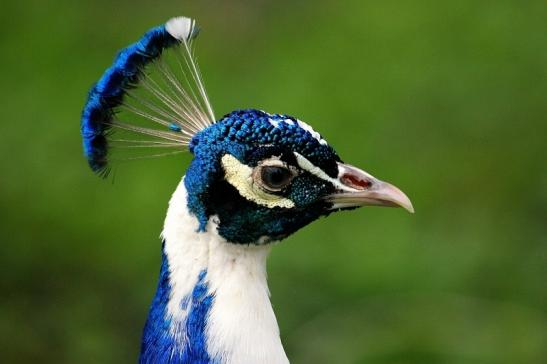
[[241, 327]]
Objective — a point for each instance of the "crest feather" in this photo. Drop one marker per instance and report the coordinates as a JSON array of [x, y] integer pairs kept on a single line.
[[151, 97]]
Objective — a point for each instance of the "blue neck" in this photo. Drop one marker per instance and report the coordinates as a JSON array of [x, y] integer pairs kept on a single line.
[[165, 341]]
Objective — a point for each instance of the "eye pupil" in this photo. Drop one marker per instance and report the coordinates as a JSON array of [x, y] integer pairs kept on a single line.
[[275, 177]]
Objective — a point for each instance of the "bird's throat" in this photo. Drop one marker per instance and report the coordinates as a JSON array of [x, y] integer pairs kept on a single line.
[[212, 303]]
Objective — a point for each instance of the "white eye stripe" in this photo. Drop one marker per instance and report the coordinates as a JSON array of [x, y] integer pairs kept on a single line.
[[308, 166], [240, 176]]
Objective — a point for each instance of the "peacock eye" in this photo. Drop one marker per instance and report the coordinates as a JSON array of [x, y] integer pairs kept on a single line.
[[275, 178]]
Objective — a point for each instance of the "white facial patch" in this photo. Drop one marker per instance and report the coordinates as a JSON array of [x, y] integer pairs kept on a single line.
[[240, 176]]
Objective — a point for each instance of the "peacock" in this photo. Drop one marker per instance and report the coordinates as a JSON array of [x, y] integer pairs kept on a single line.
[[255, 178]]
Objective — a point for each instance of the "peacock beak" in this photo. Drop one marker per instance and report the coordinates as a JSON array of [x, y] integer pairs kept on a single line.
[[358, 188]]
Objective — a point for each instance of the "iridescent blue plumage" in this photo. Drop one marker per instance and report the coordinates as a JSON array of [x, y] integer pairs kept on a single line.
[[109, 92], [254, 178], [159, 341], [241, 132], [252, 127]]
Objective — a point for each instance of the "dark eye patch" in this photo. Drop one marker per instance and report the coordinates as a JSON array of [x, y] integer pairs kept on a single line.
[[306, 189]]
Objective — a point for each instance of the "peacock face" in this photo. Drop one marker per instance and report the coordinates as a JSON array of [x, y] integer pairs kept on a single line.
[[262, 177]]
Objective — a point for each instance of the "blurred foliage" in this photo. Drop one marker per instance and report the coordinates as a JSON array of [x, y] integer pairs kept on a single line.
[[445, 99]]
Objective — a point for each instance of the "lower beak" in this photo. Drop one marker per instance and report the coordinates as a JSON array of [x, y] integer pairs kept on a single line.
[[358, 188]]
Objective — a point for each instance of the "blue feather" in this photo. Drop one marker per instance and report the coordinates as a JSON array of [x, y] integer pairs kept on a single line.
[[158, 344], [109, 91], [239, 132]]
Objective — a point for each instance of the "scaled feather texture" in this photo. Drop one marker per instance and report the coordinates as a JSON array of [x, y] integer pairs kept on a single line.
[[255, 178]]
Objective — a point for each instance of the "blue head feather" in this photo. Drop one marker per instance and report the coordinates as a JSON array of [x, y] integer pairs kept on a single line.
[[242, 134], [253, 138]]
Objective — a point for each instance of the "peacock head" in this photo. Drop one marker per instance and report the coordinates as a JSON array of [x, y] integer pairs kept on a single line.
[[263, 176], [259, 176]]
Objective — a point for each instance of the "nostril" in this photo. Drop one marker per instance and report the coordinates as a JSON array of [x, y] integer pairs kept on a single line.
[[354, 181]]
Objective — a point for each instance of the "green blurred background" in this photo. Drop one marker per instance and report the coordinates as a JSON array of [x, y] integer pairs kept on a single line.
[[445, 99]]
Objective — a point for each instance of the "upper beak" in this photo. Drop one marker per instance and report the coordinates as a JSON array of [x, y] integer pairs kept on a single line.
[[358, 188]]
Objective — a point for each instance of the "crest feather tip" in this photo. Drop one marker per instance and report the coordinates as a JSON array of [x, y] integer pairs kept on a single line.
[[181, 28]]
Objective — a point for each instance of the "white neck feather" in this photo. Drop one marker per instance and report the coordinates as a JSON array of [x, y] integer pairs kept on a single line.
[[241, 327]]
